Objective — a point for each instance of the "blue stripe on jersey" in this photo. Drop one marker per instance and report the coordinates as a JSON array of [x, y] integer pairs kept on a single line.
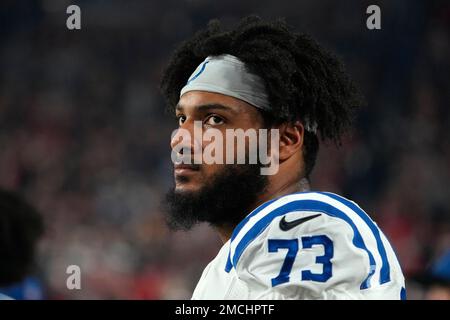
[[385, 273], [255, 212], [238, 228], [247, 218], [305, 205], [229, 264], [403, 294]]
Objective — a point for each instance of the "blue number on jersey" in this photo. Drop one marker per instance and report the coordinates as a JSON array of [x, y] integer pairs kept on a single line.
[[292, 246], [327, 244]]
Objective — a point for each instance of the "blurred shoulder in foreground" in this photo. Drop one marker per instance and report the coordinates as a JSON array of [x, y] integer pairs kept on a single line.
[[21, 226]]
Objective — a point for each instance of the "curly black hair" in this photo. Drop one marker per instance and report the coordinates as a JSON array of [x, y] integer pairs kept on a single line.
[[20, 228], [303, 81]]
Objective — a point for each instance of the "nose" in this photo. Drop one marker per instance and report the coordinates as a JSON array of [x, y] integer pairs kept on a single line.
[[184, 140]]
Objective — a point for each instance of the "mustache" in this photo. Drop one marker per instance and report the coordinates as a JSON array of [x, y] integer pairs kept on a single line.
[[185, 160], [224, 199], [195, 167]]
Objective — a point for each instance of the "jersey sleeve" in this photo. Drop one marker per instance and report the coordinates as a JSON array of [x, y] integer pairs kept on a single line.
[[308, 254]]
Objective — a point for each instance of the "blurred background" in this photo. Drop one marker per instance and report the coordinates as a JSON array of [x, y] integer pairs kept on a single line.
[[84, 136]]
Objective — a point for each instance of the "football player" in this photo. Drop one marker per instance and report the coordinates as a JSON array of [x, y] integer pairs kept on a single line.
[[281, 240]]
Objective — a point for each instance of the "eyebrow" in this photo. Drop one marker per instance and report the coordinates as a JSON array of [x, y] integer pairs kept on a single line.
[[208, 107]]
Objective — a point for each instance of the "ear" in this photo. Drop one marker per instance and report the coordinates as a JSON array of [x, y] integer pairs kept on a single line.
[[291, 139]]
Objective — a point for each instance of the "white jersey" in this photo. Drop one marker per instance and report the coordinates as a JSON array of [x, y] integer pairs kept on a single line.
[[307, 245]]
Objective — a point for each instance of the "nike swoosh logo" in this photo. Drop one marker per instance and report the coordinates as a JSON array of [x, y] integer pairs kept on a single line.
[[288, 225]]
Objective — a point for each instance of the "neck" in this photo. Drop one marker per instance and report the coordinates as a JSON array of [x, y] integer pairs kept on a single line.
[[272, 192]]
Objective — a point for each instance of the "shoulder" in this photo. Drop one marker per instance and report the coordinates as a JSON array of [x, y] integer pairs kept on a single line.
[[320, 211], [324, 228]]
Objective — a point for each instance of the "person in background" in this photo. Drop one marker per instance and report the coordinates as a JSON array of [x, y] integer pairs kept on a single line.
[[436, 280], [21, 226]]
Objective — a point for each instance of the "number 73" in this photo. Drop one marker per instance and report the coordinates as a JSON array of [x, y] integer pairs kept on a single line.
[[292, 250]]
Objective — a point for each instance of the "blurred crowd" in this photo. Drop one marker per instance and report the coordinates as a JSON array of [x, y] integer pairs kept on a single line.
[[84, 136]]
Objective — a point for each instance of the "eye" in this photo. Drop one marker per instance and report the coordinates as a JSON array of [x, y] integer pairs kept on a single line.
[[181, 119], [214, 120]]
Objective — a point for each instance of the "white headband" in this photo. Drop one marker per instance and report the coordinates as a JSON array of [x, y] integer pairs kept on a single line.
[[228, 75]]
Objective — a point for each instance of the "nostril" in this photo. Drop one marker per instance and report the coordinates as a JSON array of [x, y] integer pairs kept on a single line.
[[182, 155], [185, 150]]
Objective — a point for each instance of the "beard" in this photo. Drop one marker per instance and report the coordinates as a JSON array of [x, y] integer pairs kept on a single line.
[[224, 200]]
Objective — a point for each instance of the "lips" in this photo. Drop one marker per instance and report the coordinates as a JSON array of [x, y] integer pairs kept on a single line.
[[185, 169], [193, 167]]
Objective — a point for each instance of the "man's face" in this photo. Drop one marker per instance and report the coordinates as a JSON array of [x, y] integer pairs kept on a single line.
[[214, 111], [220, 194]]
